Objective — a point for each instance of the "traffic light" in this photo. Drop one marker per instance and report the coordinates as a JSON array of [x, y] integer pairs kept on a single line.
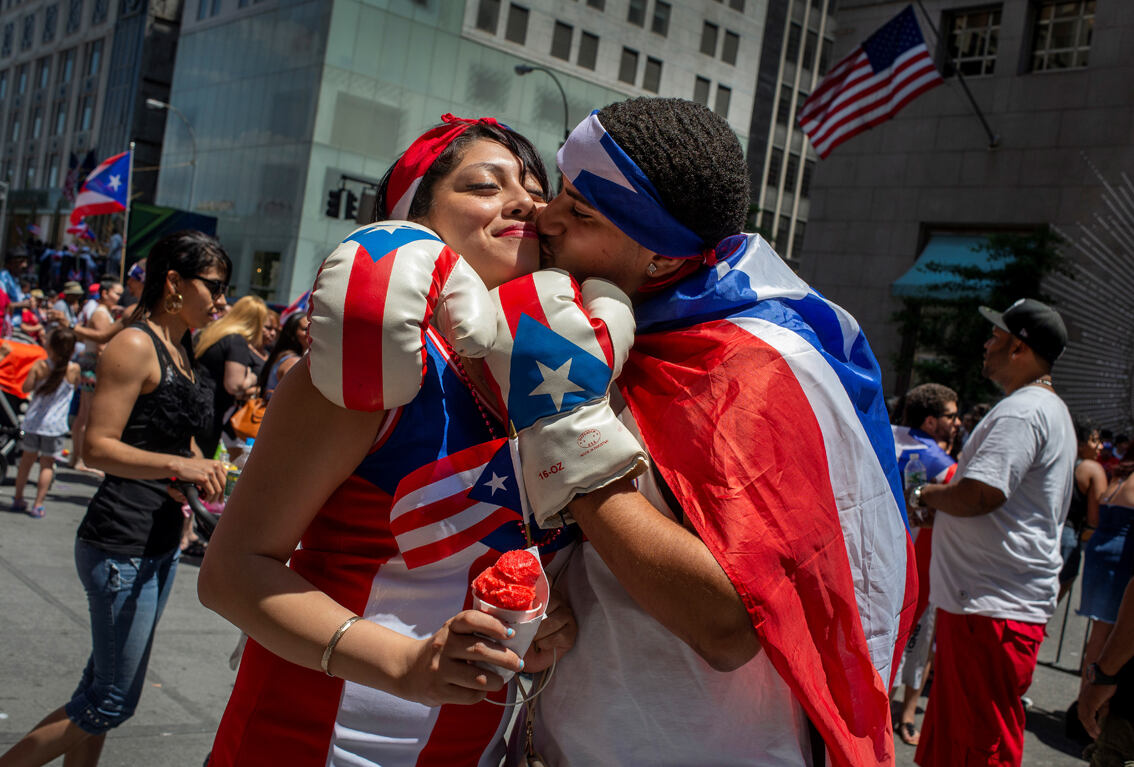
[[334, 202], [351, 206]]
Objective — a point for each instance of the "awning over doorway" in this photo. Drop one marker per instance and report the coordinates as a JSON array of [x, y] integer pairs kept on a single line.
[[944, 250]]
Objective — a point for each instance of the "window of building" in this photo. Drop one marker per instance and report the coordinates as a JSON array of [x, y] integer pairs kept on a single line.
[[709, 39], [37, 122], [825, 55], [6, 45], [3, 85], [60, 120], [488, 16], [14, 132], [783, 109], [736, 5], [517, 29], [85, 113], [805, 183], [972, 41], [43, 72], [588, 50], [809, 49], [50, 22], [94, 57], [27, 32], [651, 80], [29, 172], [51, 169], [701, 91], [775, 163], [99, 13], [599, 4], [637, 13], [628, 66], [792, 171], [797, 239], [74, 16], [66, 66], [265, 274], [22, 79], [724, 96], [730, 47], [206, 9], [791, 52], [782, 229], [661, 18], [561, 41], [1062, 35]]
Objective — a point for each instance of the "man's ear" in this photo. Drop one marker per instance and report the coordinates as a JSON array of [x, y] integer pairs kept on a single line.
[[663, 266]]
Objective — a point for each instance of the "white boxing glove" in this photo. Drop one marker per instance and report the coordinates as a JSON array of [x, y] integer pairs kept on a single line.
[[374, 297], [556, 353]]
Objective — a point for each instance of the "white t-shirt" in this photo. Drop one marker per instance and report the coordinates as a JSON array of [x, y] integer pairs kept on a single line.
[[1005, 564], [630, 692]]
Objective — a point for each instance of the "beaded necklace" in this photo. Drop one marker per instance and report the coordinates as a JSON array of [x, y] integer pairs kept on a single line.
[[466, 379]]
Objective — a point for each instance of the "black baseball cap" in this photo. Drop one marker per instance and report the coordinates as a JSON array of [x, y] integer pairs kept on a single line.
[[1033, 322]]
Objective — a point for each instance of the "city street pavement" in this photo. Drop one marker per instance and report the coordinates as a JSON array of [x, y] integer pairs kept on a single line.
[[44, 630], [45, 636]]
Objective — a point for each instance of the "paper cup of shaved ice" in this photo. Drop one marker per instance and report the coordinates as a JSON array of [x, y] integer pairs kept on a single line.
[[515, 592]]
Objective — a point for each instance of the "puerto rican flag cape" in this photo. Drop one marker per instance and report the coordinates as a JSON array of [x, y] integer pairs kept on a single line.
[[761, 404]]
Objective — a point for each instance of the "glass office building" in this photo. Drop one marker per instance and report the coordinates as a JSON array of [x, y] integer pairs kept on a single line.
[[290, 99]]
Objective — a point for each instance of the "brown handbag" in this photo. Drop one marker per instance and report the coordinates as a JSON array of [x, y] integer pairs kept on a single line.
[[246, 420]]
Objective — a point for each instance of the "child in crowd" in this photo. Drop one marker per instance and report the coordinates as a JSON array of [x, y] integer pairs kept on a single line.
[[51, 382]]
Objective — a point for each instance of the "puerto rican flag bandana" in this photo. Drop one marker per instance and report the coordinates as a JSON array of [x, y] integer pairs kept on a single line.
[[419, 158], [614, 184]]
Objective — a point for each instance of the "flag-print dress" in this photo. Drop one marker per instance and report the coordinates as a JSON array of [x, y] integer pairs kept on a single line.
[[399, 543]]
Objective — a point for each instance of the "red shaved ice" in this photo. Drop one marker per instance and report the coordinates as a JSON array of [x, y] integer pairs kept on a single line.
[[510, 583]]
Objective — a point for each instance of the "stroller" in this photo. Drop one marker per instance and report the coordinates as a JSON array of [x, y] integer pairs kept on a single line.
[[14, 367]]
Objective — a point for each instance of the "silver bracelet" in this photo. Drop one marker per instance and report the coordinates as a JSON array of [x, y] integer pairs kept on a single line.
[[329, 650]]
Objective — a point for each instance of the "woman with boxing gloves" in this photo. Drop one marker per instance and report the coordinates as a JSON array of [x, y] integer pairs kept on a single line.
[[147, 407], [363, 645]]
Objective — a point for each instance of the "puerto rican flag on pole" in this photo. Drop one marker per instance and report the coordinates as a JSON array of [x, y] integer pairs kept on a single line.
[[105, 189], [891, 68], [298, 305], [761, 404]]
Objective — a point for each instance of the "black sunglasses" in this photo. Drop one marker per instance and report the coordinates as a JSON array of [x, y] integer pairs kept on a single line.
[[217, 288]]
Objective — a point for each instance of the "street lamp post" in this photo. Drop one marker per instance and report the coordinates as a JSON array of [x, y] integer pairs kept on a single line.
[[157, 104], [523, 69], [4, 188]]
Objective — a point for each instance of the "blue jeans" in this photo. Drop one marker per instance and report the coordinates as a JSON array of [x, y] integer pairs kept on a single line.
[[126, 596]]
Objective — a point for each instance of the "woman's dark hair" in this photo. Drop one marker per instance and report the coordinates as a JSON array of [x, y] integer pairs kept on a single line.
[[1084, 428], [188, 252], [691, 156], [530, 162], [60, 347], [288, 341]]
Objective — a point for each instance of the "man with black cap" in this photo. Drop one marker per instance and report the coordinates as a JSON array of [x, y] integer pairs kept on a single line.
[[994, 575]]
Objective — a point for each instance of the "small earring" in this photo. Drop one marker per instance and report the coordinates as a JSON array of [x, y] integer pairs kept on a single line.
[[173, 303], [651, 269]]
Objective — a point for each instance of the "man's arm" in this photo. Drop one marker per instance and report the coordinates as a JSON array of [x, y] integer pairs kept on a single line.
[[963, 498], [669, 572], [1117, 651]]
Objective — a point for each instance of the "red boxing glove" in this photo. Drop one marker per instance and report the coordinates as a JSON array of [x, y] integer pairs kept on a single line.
[[373, 299]]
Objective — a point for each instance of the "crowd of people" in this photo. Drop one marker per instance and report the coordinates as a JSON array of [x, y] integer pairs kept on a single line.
[[692, 440]]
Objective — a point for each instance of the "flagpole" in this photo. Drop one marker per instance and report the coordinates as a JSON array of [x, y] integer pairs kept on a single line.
[[993, 139], [126, 217]]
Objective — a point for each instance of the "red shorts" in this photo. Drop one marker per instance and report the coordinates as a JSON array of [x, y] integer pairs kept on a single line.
[[982, 667]]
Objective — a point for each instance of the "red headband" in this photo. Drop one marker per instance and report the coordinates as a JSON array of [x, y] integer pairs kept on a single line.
[[419, 158]]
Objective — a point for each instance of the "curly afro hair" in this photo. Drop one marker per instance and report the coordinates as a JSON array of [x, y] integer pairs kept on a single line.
[[691, 156]]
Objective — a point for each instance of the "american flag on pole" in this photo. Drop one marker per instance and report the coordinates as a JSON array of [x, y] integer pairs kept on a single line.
[[105, 189], [891, 68], [761, 405]]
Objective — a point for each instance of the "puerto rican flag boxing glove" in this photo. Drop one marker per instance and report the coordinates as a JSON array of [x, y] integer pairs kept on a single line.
[[557, 350], [374, 297]]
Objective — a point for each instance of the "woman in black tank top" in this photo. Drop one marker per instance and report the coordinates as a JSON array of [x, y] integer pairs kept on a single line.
[[147, 408]]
